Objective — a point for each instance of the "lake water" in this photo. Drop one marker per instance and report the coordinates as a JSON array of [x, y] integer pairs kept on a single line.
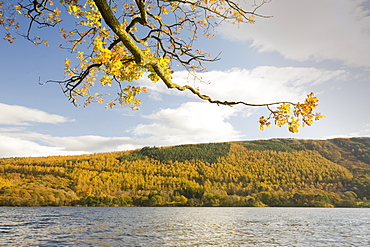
[[68, 226]]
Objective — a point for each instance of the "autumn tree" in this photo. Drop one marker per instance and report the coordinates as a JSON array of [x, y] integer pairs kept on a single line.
[[118, 42]]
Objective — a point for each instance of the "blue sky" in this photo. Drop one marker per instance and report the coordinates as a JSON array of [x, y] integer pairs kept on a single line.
[[320, 46]]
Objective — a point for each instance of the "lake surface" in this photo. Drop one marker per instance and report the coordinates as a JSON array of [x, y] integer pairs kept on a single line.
[[68, 226]]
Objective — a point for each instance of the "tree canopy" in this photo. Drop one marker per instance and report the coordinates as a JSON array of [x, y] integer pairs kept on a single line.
[[118, 42], [277, 172]]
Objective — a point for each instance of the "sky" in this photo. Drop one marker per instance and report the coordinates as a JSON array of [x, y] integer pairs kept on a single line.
[[320, 46]]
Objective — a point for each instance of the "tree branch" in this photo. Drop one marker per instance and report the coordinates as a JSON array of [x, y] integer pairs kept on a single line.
[[140, 58]]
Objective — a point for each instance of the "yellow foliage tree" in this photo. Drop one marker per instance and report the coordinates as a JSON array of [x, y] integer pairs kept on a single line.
[[121, 41]]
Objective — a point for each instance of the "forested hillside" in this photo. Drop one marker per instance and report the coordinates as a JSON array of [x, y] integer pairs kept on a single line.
[[277, 172]]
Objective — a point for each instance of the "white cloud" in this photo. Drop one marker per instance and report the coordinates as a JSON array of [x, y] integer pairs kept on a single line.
[[36, 144], [81, 144], [20, 115], [263, 84], [266, 84], [12, 129], [90, 143], [192, 122], [18, 147], [310, 29], [363, 132]]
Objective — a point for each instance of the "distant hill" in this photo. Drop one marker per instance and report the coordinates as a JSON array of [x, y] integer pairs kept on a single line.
[[276, 172]]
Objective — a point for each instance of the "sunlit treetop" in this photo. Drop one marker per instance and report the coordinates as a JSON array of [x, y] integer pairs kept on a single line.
[[117, 42]]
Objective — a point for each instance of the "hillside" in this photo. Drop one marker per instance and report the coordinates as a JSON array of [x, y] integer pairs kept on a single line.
[[277, 172]]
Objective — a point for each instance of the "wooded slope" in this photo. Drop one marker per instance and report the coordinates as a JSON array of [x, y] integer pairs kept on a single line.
[[277, 172]]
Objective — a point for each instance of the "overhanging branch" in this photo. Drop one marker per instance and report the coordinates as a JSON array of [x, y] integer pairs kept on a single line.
[[141, 59]]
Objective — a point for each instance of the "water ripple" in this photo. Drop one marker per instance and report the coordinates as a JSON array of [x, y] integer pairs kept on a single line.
[[184, 227]]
